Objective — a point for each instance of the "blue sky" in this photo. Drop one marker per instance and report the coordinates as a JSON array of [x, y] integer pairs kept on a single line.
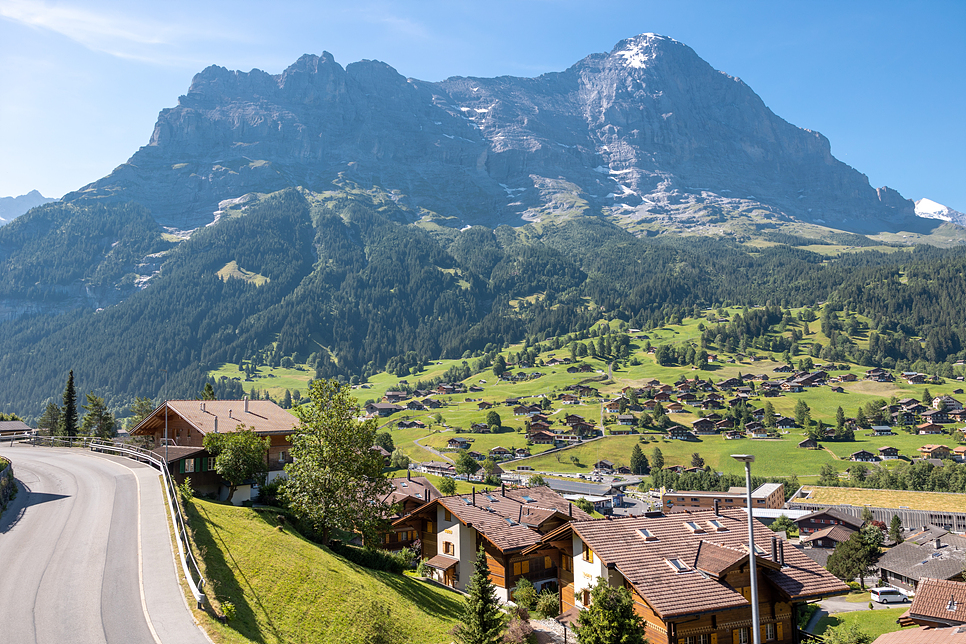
[[81, 83]]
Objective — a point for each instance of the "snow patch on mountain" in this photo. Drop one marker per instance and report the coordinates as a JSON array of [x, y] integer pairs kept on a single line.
[[929, 209]]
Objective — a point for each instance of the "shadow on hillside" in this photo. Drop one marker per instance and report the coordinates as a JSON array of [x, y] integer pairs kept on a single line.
[[222, 581], [436, 602]]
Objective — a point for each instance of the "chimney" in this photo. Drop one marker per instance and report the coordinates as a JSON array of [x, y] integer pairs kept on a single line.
[[202, 408], [939, 544], [570, 510], [503, 488], [474, 495], [229, 413], [246, 404], [216, 424], [781, 554], [716, 512], [409, 476], [774, 549], [520, 517]]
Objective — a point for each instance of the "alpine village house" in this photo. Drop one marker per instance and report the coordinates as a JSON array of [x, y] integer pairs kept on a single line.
[[189, 420]]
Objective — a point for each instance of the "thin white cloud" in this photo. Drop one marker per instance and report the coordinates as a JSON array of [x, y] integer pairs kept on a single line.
[[109, 32]]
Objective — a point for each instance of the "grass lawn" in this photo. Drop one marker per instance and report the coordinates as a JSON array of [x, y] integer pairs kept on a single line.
[[874, 622], [935, 501], [287, 589]]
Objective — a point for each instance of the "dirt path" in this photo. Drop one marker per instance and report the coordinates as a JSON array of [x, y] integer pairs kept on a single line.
[[434, 451]]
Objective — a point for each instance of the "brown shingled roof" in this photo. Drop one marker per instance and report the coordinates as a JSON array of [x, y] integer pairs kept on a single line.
[[941, 600], [837, 533], [643, 562], [263, 416], [952, 635]]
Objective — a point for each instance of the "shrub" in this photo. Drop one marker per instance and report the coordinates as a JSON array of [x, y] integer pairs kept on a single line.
[[519, 631], [422, 569], [395, 562], [548, 603], [525, 595], [853, 585], [271, 493], [229, 611]]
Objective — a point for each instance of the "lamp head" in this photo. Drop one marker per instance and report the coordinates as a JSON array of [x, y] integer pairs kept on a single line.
[[744, 458]]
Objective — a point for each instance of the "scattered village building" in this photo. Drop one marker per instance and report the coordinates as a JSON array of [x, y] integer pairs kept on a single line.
[[828, 537], [13, 427], [820, 520], [188, 421], [689, 574], [408, 494], [863, 456], [932, 553], [887, 453], [938, 603], [767, 495], [504, 523]]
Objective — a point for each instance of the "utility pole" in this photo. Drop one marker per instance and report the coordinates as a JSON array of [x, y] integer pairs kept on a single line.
[[165, 417]]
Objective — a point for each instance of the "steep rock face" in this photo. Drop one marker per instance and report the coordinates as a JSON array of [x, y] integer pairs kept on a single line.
[[647, 130]]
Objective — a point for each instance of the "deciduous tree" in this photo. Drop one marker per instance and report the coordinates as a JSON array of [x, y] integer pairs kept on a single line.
[[239, 456], [447, 487], [336, 481]]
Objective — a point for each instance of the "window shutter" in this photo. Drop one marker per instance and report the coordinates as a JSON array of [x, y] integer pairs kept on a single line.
[[714, 638], [197, 465], [181, 466], [778, 628], [204, 464], [547, 563], [736, 634]]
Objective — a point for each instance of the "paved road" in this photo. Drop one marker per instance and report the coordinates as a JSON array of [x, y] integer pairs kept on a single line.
[[73, 566]]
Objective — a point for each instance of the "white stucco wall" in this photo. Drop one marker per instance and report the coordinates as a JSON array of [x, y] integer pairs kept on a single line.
[[585, 573]]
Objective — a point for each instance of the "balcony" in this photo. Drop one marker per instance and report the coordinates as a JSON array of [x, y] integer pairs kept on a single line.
[[544, 574]]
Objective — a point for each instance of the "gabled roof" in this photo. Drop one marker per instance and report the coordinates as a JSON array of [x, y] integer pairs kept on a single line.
[[837, 533], [710, 551], [510, 520], [263, 416], [419, 488], [847, 519], [918, 561], [940, 600]]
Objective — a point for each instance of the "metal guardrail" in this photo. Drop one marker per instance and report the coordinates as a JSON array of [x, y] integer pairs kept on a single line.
[[189, 564]]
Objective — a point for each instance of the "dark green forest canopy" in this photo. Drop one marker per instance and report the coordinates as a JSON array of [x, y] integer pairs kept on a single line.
[[358, 286]]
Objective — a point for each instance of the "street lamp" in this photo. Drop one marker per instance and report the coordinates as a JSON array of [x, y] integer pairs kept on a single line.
[[165, 417], [748, 459]]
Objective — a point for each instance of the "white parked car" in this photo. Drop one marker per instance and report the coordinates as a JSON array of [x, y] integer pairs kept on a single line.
[[888, 595]]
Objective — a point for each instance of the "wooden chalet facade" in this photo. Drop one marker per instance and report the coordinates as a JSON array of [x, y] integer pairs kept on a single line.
[[689, 574], [408, 494], [504, 522], [188, 421]]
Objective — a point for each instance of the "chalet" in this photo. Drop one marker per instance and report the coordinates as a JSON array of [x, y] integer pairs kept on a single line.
[[613, 406], [914, 378], [662, 397], [887, 453], [935, 416], [484, 405], [480, 428], [572, 419], [882, 430], [879, 375], [568, 399], [432, 403], [604, 465], [582, 428], [725, 423], [415, 405], [916, 408], [621, 430], [708, 403], [959, 453], [687, 397], [938, 603], [733, 435], [542, 438], [439, 468], [714, 396], [679, 433], [475, 389], [809, 443], [828, 537], [188, 421], [783, 422], [457, 443], [408, 494], [815, 521], [504, 523], [688, 574], [511, 402], [627, 419], [395, 396], [382, 409], [13, 427], [522, 410], [838, 390], [500, 453], [768, 496], [958, 415], [863, 456], [704, 426], [729, 383], [932, 553], [903, 417], [521, 452], [848, 377], [935, 451], [476, 456], [675, 408], [792, 387], [539, 426], [946, 402], [929, 428]]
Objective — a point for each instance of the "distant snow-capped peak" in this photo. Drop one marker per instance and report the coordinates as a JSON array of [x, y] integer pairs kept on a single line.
[[929, 209]]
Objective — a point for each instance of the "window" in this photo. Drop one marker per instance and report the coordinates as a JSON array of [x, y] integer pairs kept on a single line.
[[769, 631], [429, 526], [189, 465], [588, 554], [741, 636], [698, 639], [567, 564], [585, 597], [446, 513], [211, 463], [521, 567], [677, 565], [448, 548]]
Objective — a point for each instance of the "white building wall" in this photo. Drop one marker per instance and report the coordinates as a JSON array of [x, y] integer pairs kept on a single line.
[[585, 573]]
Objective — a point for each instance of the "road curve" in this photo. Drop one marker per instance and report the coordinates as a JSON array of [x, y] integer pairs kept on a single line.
[[71, 549]]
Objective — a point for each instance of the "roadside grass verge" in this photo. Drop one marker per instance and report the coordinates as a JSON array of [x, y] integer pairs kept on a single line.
[[285, 588]]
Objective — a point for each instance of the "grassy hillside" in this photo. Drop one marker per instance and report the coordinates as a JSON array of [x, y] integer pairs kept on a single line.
[[287, 589]]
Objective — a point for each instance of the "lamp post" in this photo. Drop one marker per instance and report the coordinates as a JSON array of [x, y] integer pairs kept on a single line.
[[748, 459]]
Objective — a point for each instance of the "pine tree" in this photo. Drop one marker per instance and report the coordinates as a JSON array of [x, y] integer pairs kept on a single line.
[[49, 422], [68, 416], [611, 618], [638, 460], [895, 529], [481, 621], [98, 421], [208, 393], [657, 459]]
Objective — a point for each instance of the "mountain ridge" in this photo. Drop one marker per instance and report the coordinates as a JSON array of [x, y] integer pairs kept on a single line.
[[648, 132]]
